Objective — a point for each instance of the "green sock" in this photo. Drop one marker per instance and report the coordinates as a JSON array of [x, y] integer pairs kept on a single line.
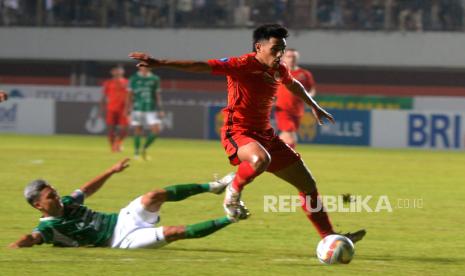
[[206, 228], [136, 144], [150, 138], [180, 192]]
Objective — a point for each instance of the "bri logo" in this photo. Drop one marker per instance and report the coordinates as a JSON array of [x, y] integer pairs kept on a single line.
[[435, 130]]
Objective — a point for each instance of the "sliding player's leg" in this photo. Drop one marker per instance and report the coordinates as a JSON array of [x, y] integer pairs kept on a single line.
[[135, 229], [160, 236]]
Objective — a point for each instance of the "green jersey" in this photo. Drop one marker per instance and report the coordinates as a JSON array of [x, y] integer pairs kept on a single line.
[[79, 225], [144, 89]]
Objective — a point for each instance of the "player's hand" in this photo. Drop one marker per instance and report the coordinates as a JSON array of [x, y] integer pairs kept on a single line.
[[3, 96], [145, 60], [161, 114], [120, 166], [320, 113]]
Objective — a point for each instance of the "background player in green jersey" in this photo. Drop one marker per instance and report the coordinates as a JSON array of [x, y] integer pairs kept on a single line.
[[145, 102], [66, 221]]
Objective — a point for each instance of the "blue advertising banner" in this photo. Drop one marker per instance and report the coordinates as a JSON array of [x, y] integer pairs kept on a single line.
[[435, 130], [352, 127]]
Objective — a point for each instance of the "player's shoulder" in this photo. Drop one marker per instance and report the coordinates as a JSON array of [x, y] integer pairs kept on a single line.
[[238, 60]]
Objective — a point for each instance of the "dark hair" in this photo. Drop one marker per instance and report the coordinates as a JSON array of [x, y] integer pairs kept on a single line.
[[32, 191], [265, 32]]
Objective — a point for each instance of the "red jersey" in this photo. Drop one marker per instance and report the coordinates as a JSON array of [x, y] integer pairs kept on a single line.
[[251, 89], [288, 102], [116, 91]]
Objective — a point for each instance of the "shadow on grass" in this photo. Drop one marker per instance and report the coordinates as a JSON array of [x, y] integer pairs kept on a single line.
[[204, 250], [422, 259]]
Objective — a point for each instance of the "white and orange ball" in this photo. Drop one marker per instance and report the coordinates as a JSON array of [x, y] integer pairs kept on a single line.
[[335, 249]]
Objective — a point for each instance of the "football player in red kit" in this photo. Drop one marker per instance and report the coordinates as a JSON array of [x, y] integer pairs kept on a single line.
[[247, 136], [289, 107]]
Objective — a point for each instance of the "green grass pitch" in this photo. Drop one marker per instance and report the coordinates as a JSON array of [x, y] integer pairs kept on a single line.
[[408, 241]]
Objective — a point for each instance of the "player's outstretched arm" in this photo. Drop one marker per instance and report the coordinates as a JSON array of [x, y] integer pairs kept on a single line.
[[3, 96], [27, 241], [145, 60], [298, 89], [95, 184]]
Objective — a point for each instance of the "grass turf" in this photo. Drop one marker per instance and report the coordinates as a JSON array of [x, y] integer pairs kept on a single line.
[[423, 241]]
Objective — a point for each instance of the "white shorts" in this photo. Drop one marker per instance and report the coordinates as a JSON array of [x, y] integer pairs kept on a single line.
[[140, 118], [135, 228]]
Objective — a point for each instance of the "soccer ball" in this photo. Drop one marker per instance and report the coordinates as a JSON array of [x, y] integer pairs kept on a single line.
[[335, 249]]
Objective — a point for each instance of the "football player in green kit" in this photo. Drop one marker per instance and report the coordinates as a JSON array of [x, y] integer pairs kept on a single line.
[[67, 222], [146, 109]]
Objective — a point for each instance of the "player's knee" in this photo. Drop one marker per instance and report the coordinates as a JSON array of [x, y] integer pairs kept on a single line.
[[261, 161], [174, 233]]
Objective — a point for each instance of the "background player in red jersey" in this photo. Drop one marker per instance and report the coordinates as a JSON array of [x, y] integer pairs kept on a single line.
[[289, 107], [114, 101], [247, 135], [3, 96]]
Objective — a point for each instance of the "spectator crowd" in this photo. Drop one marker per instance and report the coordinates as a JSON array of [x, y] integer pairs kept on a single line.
[[405, 15]]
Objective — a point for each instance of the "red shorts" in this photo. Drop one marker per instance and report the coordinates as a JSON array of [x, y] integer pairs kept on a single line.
[[117, 118], [281, 154], [287, 122]]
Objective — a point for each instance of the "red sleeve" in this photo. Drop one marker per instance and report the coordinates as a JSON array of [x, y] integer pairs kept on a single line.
[[286, 77], [309, 80], [225, 66]]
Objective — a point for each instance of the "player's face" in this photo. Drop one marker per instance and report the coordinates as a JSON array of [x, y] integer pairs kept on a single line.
[[144, 70], [270, 52], [49, 202], [291, 58], [117, 72]]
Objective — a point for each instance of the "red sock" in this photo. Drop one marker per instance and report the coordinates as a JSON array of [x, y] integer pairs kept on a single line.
[[318, 217], [244, 175]]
